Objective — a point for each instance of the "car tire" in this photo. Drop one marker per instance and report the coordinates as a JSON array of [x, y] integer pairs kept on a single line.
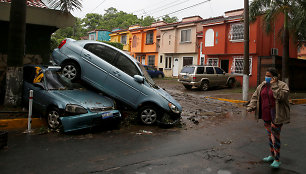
[[231, 83], [160, 76], [188, 86], [204, 85], [71, 71], [53, 121], [148, 114]]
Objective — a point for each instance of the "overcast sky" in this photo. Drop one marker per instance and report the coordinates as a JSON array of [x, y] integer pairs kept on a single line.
[[158, 8]]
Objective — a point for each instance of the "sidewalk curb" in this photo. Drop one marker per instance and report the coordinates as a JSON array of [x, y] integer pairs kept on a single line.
[[20, 123], [291, 101], [297, 101], [228, 100]]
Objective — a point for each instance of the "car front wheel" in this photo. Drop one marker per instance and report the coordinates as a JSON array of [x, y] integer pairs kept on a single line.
[[231, 83], [160, 76], [71, 70], [148, 115], [53, 116]]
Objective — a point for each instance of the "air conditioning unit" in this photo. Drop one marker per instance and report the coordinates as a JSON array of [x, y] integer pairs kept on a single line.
[[274, 52]]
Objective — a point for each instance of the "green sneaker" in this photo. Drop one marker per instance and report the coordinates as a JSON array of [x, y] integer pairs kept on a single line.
[[268, 159], [275, 164]]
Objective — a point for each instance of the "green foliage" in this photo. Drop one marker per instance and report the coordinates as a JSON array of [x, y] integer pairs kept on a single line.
[[169, 19], [270, 9], [115, 44], [65, 5]]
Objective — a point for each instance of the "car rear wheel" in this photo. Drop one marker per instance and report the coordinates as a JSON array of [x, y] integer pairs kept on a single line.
[[231, 83], [204, 86], [188, 86], [159, 76], [53, 116], [148, 114], [71, 71]]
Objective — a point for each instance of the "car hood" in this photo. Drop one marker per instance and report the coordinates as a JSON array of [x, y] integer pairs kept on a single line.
[[168, 97], [83, 98]]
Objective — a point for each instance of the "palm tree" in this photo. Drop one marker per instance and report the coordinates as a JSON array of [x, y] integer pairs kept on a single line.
[[294, 13], [16, 42]]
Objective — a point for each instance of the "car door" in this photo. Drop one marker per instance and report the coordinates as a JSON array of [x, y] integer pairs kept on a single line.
[[120, 81], [151, 71], [210, 74], [98, 61], [221, 77]]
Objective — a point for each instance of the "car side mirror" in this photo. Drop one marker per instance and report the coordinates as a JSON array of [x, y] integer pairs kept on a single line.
[[39, 85], [224, 72], [138, 78]]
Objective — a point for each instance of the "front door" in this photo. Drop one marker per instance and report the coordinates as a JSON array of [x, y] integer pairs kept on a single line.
[[143, 60], [175, 67], [225, 65]]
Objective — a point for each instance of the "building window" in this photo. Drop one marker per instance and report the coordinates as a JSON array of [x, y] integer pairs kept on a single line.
[[138, 58], [213, 62], [123, 39], [237, 32], [160, 59], [149, 37], [187, 61], [92, 37], [151, 60], [134, 42], [202, 60], [209, 38], [237, 66], [185, 35], [168, 64]]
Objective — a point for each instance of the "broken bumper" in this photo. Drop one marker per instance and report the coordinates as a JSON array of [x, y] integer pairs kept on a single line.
[[76, 122]]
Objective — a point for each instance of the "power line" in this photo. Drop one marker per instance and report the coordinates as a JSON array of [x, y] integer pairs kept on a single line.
[[98, 6], [146, 7], [170, 6], [185, 8]]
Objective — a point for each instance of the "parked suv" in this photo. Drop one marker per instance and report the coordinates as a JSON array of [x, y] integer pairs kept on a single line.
[[117, 74], [204, 77]]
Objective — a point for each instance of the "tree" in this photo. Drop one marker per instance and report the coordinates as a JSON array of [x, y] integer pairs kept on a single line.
[[92, 21], [294, 13], [147, 21], [14, 73], [169, 19]]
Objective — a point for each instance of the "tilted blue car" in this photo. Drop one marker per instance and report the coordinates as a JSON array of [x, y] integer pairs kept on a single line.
[[66, 105], [117, 74], [153, 72]]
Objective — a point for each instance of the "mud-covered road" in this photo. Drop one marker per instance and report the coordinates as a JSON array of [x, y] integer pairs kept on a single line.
[[198, 110]]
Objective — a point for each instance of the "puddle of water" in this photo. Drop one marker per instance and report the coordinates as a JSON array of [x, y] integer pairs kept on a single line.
[[224, 172]]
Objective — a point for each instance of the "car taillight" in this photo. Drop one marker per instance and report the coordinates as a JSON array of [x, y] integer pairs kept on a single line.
[[62, 44], [193, 78]]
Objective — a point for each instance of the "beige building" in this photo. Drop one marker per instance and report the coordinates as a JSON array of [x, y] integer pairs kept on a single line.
[[178, 45]]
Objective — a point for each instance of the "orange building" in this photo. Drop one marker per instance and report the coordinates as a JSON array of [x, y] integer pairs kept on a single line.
[[145, 43], [223, 45]]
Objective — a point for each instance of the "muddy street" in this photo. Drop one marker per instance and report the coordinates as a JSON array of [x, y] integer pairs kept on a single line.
[[198, 110]]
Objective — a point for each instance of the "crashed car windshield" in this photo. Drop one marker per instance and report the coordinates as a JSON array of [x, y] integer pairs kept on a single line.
[[54, 81], [147, 76]]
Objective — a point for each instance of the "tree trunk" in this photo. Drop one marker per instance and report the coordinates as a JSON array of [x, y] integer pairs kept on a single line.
[[16, 52], [285, 58]]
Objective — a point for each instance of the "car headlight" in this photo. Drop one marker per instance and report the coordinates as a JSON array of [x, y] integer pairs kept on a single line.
[[76, 109], [173, 108]]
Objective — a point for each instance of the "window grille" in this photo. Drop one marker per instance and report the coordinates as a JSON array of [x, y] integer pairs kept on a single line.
[[168, 64], [185, 35], [213, 62], [237, 66], [149, 37], [151, 60], [237, 32], [123, 39]]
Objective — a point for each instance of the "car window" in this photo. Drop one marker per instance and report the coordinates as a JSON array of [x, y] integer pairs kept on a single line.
[[188, 69], [104, 52], [126, 65], [218, 70], [200, 70], [209, 70], [146, 67]]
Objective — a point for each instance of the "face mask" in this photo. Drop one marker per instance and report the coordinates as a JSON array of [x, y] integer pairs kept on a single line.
[[268, 79]]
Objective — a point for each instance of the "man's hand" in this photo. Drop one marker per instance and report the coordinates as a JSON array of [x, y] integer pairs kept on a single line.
[[273, 80]]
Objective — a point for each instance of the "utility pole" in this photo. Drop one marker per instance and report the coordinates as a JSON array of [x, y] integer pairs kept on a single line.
[[245, 87]]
